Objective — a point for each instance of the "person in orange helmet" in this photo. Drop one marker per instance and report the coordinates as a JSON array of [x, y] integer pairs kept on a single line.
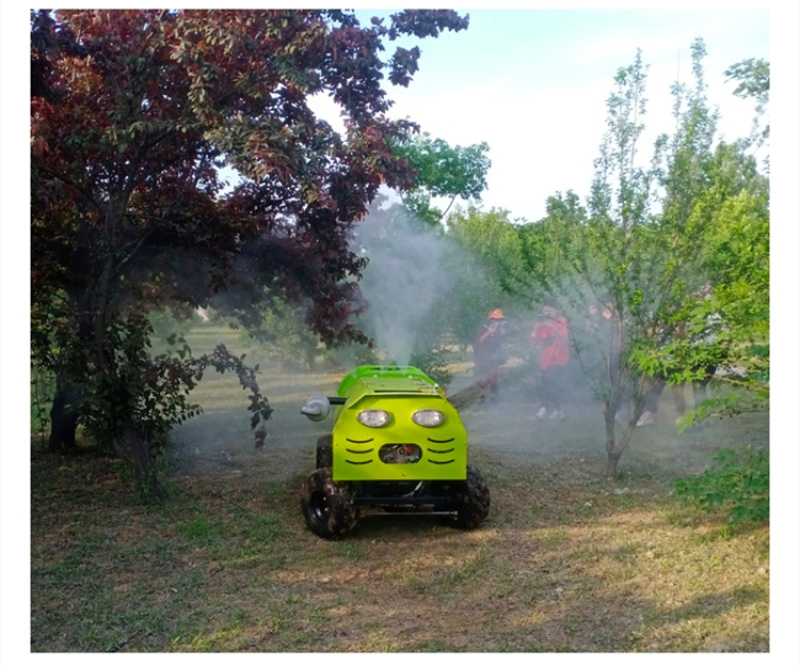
[[488, 355]]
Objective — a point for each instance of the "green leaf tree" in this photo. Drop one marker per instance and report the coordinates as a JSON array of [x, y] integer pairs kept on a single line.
[[729, 326], [441, 171], [752, 79], [643, 247], [488, 268]]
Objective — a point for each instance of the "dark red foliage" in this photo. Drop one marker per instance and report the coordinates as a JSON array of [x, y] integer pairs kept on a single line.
[[133, 112]]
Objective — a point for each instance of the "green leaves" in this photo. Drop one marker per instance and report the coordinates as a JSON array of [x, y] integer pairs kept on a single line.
[[442, 171], [752, 77], [678, 245], [737, 483]]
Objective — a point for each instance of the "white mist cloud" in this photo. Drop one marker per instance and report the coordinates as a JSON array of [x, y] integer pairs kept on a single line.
[[401, 283]]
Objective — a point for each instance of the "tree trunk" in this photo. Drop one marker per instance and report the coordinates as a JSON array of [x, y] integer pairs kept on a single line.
[[132, 446], [612, 464], [615, 446], [63, 416], [612, 453]]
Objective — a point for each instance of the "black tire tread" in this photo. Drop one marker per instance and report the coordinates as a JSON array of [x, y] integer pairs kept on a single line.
[[341, 516], [472, 500]]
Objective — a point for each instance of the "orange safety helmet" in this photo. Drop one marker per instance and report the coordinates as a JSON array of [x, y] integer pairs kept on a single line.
[[497, 314]]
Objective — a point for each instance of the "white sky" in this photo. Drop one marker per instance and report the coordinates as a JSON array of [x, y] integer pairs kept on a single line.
[[533, 85]]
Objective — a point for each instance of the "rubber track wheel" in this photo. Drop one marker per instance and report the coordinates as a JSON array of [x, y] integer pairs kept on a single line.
[[472, 500], [328, 506]]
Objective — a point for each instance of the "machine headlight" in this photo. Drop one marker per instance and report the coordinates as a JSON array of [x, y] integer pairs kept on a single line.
[[373, 417], [428, 417]]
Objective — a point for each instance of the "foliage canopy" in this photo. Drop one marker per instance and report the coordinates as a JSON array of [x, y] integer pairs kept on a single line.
[[134, 113]]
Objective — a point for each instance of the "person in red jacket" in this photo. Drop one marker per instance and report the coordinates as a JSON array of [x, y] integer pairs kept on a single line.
[[488, 354], [550, 339]]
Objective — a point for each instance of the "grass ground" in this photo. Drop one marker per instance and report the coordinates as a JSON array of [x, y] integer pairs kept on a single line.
[[566, 562]]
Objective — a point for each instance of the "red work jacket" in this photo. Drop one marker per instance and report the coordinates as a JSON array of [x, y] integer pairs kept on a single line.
[[551, 338]]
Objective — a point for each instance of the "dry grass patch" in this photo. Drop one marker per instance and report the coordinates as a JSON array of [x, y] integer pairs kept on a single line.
[[222, 570]]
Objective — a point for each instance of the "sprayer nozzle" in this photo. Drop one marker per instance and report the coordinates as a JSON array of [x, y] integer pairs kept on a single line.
[[316, 408]]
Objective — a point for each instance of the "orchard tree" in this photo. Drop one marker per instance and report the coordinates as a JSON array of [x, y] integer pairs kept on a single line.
[[550, 246], [133, 115], [729, 326], [488, 268], [752, 78], [724, 312], [641, 248], [651, 258], [441, 171]]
